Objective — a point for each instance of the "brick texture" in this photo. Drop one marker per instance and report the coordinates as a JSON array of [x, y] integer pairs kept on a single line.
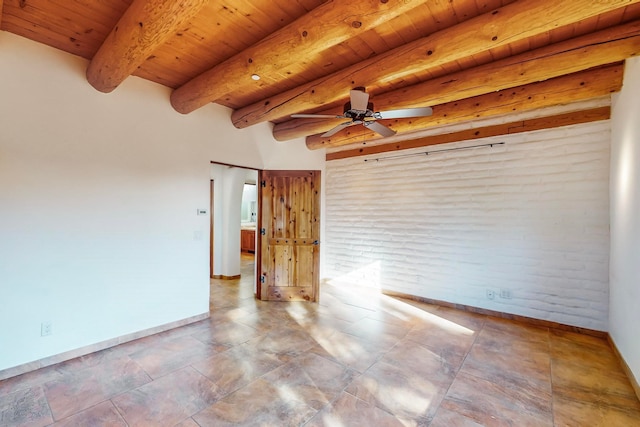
[[528, 220]]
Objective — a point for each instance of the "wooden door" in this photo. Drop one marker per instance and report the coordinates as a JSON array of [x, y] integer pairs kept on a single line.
[[289, 240]]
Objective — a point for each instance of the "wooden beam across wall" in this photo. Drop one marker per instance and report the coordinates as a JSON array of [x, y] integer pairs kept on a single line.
[[0, 15], [592, 50], [561, 90], [144, 26], [323, 27], [510, 24], [566, 119]]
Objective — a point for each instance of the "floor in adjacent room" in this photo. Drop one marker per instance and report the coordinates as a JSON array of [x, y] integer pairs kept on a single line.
[[354, 359]]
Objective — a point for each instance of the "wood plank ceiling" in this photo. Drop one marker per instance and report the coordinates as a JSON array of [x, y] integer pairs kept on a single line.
[[467, 59]]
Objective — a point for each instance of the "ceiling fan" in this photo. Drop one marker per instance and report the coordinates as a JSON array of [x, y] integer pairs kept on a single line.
[[360, 111]]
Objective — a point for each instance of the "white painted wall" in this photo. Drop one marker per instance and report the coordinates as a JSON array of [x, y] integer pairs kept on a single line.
[[98, 198], [624, 315], [530, 217]]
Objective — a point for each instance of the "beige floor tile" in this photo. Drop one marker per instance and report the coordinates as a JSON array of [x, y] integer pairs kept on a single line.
[[103, 414], [25, 408], [258, 404], [400, 390], [422, 361], [225, 334], [505, 358], [172, 354], [571, 413], [312, 379], [451, 340], [79, 390], [189, 422], [168, 400], [237, 367], [498, 328], [497, 404], [590, 384], [582, 350], [377, 331], [447, 418], [285, 344], [351, 351], [472, 321], [348, 410], [29, 380]]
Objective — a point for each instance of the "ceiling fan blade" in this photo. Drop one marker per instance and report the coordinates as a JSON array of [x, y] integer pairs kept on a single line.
[[359, 100], [405, 113], [340, 127], [318, 116], [379, 128]]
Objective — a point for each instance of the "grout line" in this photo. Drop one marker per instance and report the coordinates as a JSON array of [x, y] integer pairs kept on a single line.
[[464, 359], [553, 411]]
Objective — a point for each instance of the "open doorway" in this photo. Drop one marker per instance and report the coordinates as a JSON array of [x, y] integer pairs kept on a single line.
[[284, 254], [234, 213], [248, 218]]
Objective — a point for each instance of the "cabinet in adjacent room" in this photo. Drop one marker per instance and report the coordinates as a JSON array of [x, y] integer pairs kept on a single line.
[[248, 241]]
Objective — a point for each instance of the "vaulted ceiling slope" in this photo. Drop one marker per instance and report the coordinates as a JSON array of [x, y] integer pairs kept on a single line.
[[465, 58]]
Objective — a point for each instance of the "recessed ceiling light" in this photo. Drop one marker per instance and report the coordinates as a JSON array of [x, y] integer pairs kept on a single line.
[[255, 77]]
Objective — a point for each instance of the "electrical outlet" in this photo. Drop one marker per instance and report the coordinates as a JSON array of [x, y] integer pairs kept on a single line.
[[491, 294], [505, 293], [46, 328]]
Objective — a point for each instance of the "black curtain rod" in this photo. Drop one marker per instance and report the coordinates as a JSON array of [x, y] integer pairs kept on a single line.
[[423, 153]]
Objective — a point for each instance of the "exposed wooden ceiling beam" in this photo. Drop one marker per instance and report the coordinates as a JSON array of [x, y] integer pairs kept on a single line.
[[592, 50], [561, 90], [144, 26], [327, 25], [0, 14], [565, 119], [512, 23]]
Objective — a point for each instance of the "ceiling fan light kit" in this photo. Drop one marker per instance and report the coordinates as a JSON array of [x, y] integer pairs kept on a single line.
[[360, 111]]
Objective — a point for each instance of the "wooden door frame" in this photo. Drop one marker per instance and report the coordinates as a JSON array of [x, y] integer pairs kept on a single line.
[[211, 228], [258, 252], [212, 246]]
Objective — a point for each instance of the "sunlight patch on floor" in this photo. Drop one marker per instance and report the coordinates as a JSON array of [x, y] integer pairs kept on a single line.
[[427, 316], [343, 347], [372, 297], [416, 402], [287, 394], [332, 420], [299, 310], [415, 398]]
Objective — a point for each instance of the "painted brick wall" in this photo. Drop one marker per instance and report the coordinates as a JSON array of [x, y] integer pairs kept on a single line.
[[528, 219]]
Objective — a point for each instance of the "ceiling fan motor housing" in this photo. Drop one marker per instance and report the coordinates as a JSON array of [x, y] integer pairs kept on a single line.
[[365, 115], [358, 114]]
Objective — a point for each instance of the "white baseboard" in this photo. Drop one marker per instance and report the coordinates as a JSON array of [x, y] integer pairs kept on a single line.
[[72, 354]]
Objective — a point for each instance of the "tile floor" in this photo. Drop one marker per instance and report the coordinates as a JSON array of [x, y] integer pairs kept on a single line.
[[354, 359]]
